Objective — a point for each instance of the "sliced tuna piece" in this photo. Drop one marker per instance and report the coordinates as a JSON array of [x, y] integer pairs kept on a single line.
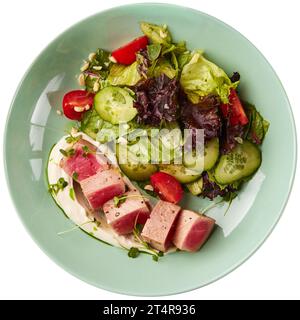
[[82, 200], [159, 229], [85, 164], [192, 230], [102, 186], [127, 214]]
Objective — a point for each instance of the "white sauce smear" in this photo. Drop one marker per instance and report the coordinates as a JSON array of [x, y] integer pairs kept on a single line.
[[73, 209]]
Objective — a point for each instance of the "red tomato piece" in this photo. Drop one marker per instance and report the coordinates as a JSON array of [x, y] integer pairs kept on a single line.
[[167, 187], [76, 103], [234, 110], [126, 54]]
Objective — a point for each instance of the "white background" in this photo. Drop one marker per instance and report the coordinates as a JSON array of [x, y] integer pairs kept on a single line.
[[26, 27]]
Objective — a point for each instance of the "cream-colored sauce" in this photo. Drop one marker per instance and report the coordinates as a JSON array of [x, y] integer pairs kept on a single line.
[[73, 208]]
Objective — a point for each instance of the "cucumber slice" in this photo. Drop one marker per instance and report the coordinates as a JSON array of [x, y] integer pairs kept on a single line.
[[194, 163], [134, 169], [195, 187], [211, 153], [138, 172], [200, 164], [180, 172], [115, 105], [241, 162]]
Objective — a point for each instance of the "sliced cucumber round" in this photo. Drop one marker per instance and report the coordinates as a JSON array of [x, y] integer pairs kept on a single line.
[[138, 172], [200, 164], [211, 153], [195, 187], [241, 162], [180, 172], [115, 105], [194, 163], [133, 168]]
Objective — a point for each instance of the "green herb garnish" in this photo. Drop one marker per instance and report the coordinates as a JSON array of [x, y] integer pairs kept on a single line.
[[74, 228], [119, 200], [133, 252], [67, 153], [75, 175], [72, 140], [160, 254], [138, 228], [229, 198], [98, 223], [72, 194], [58, 186], [136, 232], [155, 258], [86, 151]]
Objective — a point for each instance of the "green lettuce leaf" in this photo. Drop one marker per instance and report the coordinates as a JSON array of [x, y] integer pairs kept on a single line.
[[121, 75], [200, 77], [171, 53], [100, 130], [90, 124], [176, 48], [183, 59], [153, 51], [180, 48], [163, 66], [166, 63], [257, 126], [162, 55], [156, 33]]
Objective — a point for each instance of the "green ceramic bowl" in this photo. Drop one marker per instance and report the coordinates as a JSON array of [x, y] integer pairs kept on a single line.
[[33, 127]]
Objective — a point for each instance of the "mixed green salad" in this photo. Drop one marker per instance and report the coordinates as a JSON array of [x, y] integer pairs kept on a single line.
[[155, 83]]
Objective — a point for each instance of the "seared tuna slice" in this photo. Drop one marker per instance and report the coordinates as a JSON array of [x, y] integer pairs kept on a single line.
[[130, 211], [102, 186], [83, 163], [159, 229], [192, 230]]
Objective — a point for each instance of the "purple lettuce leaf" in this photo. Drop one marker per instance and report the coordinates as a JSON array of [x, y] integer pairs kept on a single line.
[[157, 100], [203, 115], [231, 136], [211, 189]]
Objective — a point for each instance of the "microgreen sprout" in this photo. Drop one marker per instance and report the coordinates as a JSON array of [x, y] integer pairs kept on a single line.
[[58, 186], [121, 199], [68, 152]]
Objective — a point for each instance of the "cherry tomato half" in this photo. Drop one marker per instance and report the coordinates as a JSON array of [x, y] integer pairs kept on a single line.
[[126, 54], [167, 187], [76, 103], [234, 110]]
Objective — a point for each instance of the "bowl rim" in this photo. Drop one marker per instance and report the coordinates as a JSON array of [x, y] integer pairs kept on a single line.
[[226, 271]]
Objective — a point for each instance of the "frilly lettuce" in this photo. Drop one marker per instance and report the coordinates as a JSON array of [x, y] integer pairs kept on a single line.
[[162, 55], [121, 75], [164, 66], [157, 34], [183, 59], [200, 77], [153, 51]]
